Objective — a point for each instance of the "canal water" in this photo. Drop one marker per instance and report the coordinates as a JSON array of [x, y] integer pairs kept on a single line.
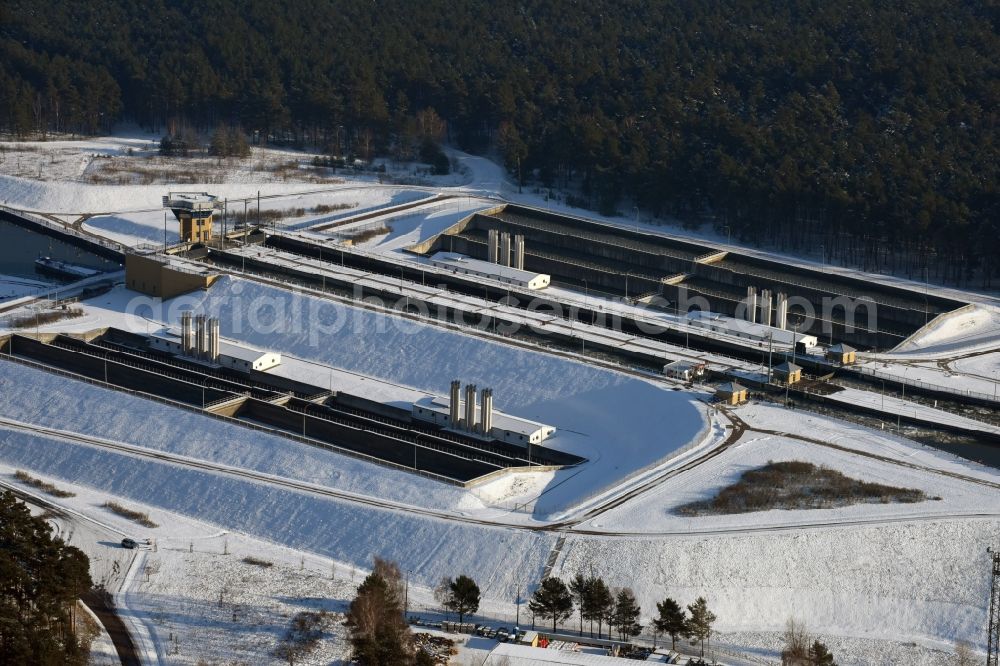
[[19, 247]]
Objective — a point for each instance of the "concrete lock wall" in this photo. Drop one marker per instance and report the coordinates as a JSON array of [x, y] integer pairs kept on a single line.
[[610, 280], [891, 319], [637, 258], [135, 379], [389, 449]]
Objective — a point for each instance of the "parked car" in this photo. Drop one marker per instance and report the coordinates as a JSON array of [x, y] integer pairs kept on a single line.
[[130, 543]]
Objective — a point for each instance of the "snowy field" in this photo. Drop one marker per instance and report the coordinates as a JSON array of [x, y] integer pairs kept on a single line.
[[753, 580], [194, 594]]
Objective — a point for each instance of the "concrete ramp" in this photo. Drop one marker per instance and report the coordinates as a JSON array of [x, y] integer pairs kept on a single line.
[[711, 257], [674, 279], [937, 329], [227, 406]]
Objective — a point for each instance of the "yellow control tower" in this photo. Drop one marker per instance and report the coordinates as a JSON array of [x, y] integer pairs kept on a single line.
[[194, 212]]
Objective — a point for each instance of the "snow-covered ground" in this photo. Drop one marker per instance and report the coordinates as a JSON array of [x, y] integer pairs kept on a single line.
[[908, 582], [587, 405], [856, 451], [956, 352], [753, 580], [196, 596], [964, 330], [881, 583]]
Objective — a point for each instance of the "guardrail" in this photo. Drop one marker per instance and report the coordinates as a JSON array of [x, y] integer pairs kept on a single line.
[[916, 383], [63, 229]]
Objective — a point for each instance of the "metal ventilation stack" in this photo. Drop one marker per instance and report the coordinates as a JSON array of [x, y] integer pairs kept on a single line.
[[765, 307], [470, 407], [519, 252], [455, 405], [781, 313], [751, 305], [494, 248], [486, 398], [187, 334], [201, 339], [504, 249], [213, 339]]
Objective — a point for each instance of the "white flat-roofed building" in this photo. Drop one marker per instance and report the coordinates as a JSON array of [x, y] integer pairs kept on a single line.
[[237, 357], [506, 428], [686, 370], [459, 263], [740, 328]]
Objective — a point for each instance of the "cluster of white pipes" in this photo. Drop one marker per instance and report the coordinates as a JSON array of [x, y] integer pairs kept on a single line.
[[468, 421], [201, 339]]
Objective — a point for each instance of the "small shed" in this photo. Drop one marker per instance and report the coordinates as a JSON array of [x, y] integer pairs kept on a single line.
[[731, 393], [841, 353], [686, 370], [788, 372]]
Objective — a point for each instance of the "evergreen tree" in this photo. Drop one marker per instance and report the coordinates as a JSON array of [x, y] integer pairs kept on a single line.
[[219, 144], [379, 635], [600, 603], [552, 600], [579, 587], [41, 579], [671, 621], [819, 655], [462, 597], [700, 622], [626, 614], [834, 152]]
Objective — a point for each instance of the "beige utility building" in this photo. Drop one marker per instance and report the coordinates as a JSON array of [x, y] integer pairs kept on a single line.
[[156, 275], [789, 373], [731, 393], [841, 353]]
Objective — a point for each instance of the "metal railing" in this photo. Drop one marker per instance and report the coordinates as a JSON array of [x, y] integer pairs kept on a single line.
[[916, 383], [63, 229]]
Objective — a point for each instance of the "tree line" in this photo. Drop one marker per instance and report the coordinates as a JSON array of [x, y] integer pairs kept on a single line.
[[380, 634], [868, 128], [594, 602], [41, 579]]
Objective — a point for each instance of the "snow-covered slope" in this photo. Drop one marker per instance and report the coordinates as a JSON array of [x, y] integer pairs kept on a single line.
[[589, 406]]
